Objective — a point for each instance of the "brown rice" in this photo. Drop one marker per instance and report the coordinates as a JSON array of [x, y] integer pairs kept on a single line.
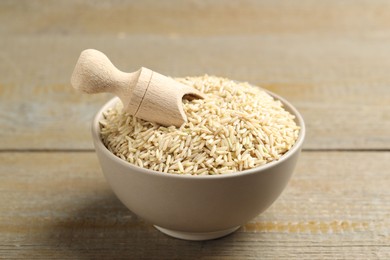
[[236, 127]]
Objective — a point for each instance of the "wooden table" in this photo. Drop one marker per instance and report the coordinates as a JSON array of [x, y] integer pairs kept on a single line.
[[331, 59]]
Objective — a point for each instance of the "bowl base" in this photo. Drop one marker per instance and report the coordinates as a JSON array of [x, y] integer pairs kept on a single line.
[[196, 236]]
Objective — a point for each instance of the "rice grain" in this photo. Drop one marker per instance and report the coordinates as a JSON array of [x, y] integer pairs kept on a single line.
[[236, 127]]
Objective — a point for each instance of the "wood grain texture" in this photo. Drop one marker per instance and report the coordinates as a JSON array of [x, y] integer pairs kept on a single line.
[[58, 205], [331, 59], [336, 96], [194, 17], [332, 67]]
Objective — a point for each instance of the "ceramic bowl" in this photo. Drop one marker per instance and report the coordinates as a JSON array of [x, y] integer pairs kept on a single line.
[[197, 207]]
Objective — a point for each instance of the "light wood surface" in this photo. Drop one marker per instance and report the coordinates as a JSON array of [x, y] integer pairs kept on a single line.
[[331, 59]]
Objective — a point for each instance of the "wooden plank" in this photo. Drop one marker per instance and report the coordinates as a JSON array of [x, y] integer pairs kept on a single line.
[[339, 83], [200, 17], [329, 59], [58, 205]]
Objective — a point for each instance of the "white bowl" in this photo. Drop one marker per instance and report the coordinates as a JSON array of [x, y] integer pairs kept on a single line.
[[197, 207]]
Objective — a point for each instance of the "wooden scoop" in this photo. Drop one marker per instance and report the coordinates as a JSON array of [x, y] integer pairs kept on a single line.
[[145, 94]]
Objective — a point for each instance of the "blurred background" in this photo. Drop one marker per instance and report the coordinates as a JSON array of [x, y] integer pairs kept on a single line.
[[320, 55]]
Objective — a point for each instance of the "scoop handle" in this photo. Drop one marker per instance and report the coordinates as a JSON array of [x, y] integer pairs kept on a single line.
[[94, 73]]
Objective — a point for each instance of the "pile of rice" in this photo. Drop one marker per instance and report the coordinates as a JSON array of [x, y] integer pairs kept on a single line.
[[236, 127]]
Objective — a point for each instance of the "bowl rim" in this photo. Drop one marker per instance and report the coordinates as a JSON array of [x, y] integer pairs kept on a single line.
[[95, 129]]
